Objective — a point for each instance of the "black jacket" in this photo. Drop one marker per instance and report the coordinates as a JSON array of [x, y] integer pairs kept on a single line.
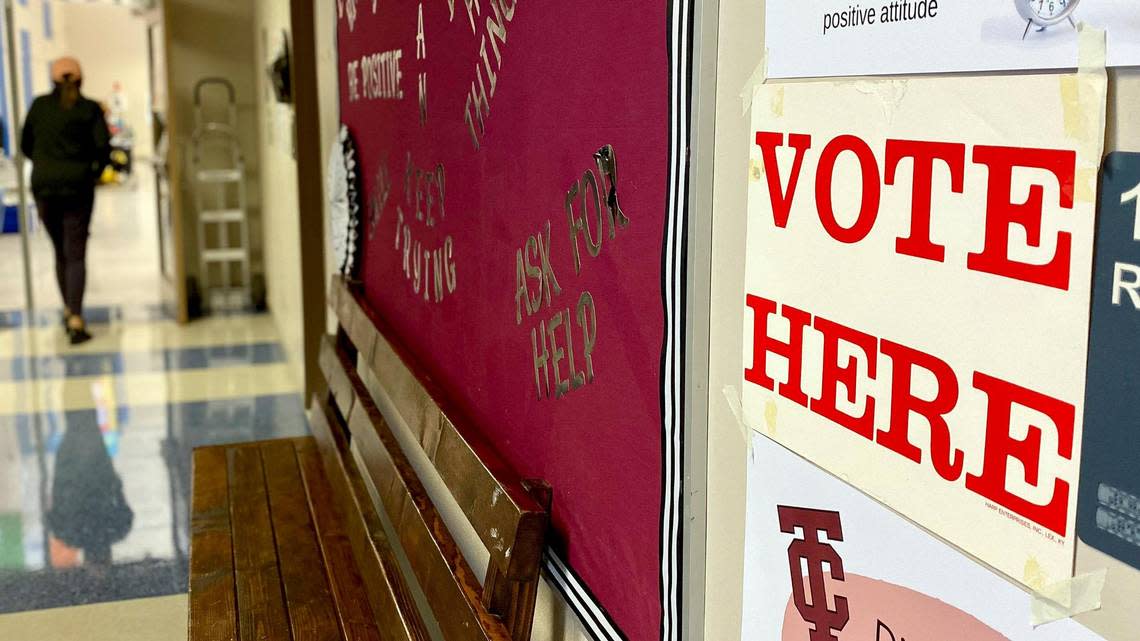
[[68, 147]]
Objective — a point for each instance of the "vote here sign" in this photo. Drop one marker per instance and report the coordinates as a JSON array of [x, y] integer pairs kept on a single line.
[[917, 292]]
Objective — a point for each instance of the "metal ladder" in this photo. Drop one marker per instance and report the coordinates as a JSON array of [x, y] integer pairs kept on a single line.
[[220, 199]]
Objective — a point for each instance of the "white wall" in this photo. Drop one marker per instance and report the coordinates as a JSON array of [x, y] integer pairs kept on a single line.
[[43, 47], [107, 60], [328, 84], [280, 207], [741, 49]]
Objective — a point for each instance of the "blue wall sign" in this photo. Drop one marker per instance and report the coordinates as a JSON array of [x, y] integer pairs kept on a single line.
[[1108, 511]]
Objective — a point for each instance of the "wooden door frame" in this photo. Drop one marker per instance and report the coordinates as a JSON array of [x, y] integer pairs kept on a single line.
[[174, 170], [310, 186]]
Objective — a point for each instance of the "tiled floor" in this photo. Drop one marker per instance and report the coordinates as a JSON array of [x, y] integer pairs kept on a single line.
[[122, 256], [95, 440]]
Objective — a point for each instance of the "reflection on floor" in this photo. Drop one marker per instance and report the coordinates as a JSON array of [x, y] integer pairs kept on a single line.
[[95, 450], [95, 440]]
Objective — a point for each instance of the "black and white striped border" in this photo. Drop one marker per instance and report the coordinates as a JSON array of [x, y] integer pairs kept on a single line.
[[591, 613], [674, 267], [679, 33]]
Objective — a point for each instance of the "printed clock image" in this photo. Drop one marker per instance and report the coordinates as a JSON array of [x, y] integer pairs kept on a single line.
[[344, 202], [1045, 13]]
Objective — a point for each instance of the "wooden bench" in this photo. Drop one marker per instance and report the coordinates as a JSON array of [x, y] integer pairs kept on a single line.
[[334, 536]]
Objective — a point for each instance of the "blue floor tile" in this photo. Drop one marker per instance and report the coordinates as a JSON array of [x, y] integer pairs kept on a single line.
[[97, 315], [57, 366], [103, 315]]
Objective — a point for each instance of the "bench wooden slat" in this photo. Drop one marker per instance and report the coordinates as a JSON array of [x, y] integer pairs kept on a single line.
[[346, 308], [514, 534], [338, 383], [431, 551], [450, 585], [391, 602], [509, 522], [362, 332], [212, 593], [309, 602], [260, 606], [354, 613], [513, 600]]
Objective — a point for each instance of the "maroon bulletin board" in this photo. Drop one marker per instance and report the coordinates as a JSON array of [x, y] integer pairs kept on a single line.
[[524, 179]]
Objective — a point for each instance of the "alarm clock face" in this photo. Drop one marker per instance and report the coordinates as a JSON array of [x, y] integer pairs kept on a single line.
[[1046, 12], [1049, 9]]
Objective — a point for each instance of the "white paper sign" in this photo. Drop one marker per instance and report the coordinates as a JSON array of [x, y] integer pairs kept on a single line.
[[916, 312], [885, 578], [818, 38]]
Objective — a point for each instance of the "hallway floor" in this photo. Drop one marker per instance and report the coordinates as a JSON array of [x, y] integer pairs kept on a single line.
[[95, 440]]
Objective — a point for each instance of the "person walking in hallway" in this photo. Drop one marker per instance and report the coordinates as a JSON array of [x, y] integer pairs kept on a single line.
[[67, 140]]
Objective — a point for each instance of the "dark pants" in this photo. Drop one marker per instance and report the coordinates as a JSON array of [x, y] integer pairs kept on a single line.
[[67, 220]]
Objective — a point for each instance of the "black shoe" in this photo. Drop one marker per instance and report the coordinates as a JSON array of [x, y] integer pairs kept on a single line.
[[78, 336]]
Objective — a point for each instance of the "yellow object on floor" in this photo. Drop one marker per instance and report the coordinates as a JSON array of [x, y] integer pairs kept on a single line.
[[154, 619]]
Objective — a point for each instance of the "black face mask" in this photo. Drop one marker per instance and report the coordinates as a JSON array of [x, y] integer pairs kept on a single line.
[[68, 81], [67, 92], [68, 88]]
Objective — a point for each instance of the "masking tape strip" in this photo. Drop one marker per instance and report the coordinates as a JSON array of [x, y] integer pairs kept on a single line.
[[737, 408], [1092, 49], [1081, 593], [1068, 598], [1091, 62], [889, 91], [759, 76], [1083, 101]]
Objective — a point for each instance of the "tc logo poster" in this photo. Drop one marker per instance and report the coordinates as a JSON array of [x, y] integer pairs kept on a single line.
[[814, 553], [824, 562]]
